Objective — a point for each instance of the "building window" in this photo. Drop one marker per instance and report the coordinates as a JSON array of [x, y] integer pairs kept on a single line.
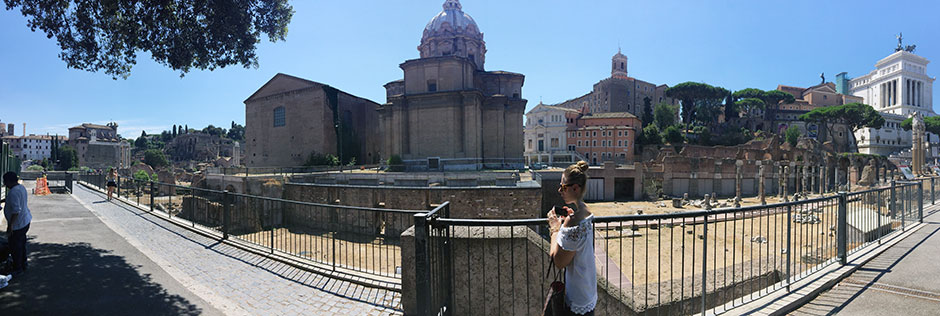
[[619, 133], [579, 143], [579, 134], [594, 134], [619, 143], [279, 116], [595, 144], [432, 85], [530, 144], [555, 143]]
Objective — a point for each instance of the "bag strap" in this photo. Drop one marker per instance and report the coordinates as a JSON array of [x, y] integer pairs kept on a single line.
[[551, 265]]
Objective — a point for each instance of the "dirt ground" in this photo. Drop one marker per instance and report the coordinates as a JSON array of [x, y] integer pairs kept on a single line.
[[631, 208]]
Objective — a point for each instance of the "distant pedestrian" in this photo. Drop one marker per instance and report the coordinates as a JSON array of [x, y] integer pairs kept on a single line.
[[112, 177], [18, 218], [572, 242]]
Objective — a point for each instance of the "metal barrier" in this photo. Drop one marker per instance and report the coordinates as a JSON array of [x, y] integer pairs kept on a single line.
[[358, 241], [676, 263]]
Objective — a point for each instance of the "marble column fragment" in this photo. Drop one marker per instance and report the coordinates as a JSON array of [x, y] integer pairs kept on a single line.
[[786, 182], [760, 183], [737, 183]]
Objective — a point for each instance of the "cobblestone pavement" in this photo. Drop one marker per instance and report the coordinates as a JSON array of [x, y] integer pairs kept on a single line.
[[233, 280]]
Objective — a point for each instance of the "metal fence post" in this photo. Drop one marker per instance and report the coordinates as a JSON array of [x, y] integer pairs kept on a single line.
[[789, 251], [893, 205], [422, 265], [878, 216], [704, 263], [118, 179], [841, 234], [933, 196], [920, 202], [226, 210], [151, 195]]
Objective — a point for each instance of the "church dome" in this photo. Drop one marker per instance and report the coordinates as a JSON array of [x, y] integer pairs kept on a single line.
[[452, 19], [453, 33]]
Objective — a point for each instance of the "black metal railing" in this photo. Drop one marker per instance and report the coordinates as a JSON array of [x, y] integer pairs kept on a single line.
[[674, 263], [358, 241]]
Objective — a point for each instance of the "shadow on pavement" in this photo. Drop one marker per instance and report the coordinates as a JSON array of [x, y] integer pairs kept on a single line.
[[347, 290], [839, 297], [76, 278]]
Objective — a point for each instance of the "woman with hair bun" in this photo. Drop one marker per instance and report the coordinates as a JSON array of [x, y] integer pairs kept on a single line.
[[572, 241]]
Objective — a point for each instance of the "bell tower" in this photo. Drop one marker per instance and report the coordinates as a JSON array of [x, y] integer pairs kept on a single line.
[[618, 65]]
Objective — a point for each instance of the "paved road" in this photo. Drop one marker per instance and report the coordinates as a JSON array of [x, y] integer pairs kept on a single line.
[[231, 280], [80, 266], [904, 280]]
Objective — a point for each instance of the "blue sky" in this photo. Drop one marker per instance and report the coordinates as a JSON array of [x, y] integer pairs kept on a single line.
[[562, 47]]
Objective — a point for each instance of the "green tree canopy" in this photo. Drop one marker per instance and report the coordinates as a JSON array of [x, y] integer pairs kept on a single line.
[[155, 158], [931, 124], [664, 115], [647, 111], [108, 34], [853, 115], [792, 135], [690, 94], [774, 97], [672, 135], [236, 132], [68, 158], [214, 131], [749, 93], [748, 105], [650, 136]]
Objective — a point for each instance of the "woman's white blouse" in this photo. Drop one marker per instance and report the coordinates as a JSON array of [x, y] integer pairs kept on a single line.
[[581, 274]]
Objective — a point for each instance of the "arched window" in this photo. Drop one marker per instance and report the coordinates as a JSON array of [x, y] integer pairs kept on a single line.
[[279, 116]]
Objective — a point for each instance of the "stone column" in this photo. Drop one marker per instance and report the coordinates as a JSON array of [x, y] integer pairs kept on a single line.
[[822, 179], [785, 183], [836, 180], [708, 203], [760, 183], [737, 182], [779, 172], [807, 179]]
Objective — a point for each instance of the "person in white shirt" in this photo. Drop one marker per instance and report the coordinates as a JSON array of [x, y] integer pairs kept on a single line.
[[18, 218], [573, 242]]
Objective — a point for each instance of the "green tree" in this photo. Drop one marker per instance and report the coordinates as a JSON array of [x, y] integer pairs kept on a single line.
[[142, 175], [155, 158], [749, 105], [107, 35], [931, 124], [664, 115], [650, 136], [141, 143], [672, 135], [318, 159], [214, 131], [852, 115], [695, 96], [703, 135], [395, 163], [792, 135], [731, 111], [236, 132], [647, 111], [772, 100], [68, 158]]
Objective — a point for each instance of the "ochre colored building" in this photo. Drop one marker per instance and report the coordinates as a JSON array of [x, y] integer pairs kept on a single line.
[[601, 137]]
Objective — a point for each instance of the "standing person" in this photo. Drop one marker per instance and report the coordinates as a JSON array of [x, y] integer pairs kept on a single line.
[[573, 242], [112, 176], [18, 218]]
